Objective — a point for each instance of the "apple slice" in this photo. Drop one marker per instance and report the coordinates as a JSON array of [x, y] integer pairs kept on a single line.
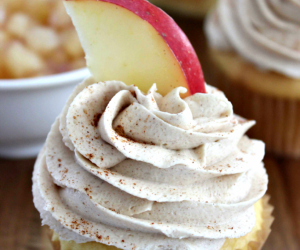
[[137, 43]]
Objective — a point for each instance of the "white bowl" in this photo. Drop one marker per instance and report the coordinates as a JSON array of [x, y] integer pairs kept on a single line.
[[28, 107]]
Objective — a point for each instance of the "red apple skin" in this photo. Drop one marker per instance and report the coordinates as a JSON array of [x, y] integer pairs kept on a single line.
[[173, 36]]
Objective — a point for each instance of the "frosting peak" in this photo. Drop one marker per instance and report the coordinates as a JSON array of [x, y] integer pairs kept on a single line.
[[264, 32], [146, 171]]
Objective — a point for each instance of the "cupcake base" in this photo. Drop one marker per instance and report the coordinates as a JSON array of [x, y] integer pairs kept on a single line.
[[192, 8], [271, 99], [253, 240]]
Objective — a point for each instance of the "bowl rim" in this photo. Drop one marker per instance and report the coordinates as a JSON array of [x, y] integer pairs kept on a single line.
[[44, 81]]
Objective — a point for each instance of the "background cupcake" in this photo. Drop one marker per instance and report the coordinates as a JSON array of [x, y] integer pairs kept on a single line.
[[255, 48], [193, 8]]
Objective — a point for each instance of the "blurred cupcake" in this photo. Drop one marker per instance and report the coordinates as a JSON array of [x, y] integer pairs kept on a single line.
[[192, 8], [255, 51]]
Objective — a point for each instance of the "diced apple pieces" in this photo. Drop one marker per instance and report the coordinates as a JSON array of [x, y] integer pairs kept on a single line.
[[71, 43], [2, 15], [58, 57], [43, 40], [78, 64], [4, 38], [21, 62], [13, 5], [59, 18], [38, 9], [37, 38], [18, 24]]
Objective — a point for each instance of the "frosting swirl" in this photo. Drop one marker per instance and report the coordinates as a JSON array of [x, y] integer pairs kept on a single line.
[[264, 32], [143, 171]]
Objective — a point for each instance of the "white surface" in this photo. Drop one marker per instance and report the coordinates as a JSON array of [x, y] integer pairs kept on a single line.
[[28, 107]]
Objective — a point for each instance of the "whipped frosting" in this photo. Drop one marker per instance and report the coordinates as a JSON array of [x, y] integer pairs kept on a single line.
[[143, 171], [264, 32]]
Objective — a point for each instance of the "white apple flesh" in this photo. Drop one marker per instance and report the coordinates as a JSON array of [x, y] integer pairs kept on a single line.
[[137, 43]]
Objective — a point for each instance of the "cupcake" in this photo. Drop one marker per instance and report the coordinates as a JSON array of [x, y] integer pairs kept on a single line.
[[127, 169], [255, 54], [191, 8]]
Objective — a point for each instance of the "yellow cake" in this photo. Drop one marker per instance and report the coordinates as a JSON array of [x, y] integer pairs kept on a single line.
[[255, 239]]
